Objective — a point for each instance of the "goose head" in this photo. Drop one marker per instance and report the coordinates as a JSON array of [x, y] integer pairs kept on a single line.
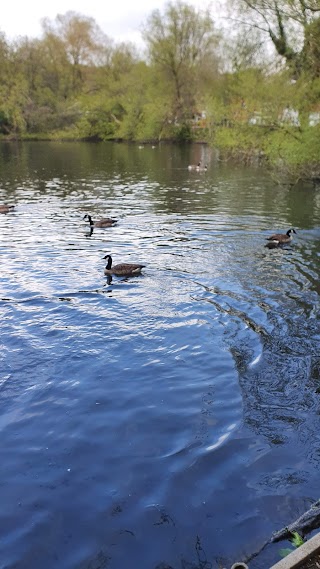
[[89, 218], [108, 258]]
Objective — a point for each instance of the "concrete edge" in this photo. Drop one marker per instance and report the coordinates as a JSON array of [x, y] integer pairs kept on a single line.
[[302, 553]]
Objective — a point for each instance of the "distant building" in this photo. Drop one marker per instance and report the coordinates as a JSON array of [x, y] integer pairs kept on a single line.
[[256, 118], [290, 116], [314, 118]]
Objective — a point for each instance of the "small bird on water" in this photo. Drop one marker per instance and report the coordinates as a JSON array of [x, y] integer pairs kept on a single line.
[[194, 166], [280, 238], [106, 222], [6, 208], [122, 269]]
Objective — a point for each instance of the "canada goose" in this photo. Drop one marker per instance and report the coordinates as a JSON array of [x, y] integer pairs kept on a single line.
[[6, 208], [106, 222], [281, 238], [122, 269], [194, 166], [89, 232], [272, 245]]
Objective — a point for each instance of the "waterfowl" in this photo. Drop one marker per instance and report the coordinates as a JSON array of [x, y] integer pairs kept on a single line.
[[123, 269], [89, 232], [6, 208], [106, 222], [194, 166], [281, 238], [272, 245]]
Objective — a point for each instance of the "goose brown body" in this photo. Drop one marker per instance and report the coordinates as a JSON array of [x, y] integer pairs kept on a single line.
[[281, 238], [6, 208], [122, 269], [105, 222]]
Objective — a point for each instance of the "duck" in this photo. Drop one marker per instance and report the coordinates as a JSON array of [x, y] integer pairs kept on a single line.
[[6, 208], [122, 269], [194, 166], [106, 222], [281, 238]]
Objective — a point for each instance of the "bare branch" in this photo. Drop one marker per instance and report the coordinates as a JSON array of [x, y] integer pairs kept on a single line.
[[250, 24]]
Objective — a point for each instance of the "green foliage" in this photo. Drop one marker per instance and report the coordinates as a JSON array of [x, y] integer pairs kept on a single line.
[[98, 120], [294, 155], [14, 98], [152, 122], [182, 132], [296, 541], [4, 123], [311, 48]]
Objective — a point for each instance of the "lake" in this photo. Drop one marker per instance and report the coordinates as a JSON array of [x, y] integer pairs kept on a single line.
[[170, 420]]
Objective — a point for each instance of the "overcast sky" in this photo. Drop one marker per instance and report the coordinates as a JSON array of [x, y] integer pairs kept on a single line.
[[119, 19]]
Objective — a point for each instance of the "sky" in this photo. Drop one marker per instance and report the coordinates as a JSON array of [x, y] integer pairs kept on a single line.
[[121, 19]]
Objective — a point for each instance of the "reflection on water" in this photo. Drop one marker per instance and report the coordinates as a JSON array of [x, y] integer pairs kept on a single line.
[[169, 420]]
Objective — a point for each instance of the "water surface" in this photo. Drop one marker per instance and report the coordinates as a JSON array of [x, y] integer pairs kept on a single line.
[[164, 421]]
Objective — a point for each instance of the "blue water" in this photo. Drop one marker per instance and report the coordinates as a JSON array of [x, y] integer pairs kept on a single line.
[[169, 420]]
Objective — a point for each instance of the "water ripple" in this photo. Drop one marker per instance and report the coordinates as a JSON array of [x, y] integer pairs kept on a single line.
[[165, 419]]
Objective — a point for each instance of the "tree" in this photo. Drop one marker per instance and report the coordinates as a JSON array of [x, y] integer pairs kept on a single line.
[[123, 58], [244, 51], [284, 21], [311, 48], [113, 94], [82, 40], [179, 41], [13, 91]]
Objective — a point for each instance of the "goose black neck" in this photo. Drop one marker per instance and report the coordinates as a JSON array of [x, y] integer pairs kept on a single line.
[[109, 263]]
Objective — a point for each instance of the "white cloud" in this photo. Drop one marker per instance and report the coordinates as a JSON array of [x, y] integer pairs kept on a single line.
[[120, 20]]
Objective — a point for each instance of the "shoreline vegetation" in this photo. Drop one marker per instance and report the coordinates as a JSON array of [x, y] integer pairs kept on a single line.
[[251, 90]]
